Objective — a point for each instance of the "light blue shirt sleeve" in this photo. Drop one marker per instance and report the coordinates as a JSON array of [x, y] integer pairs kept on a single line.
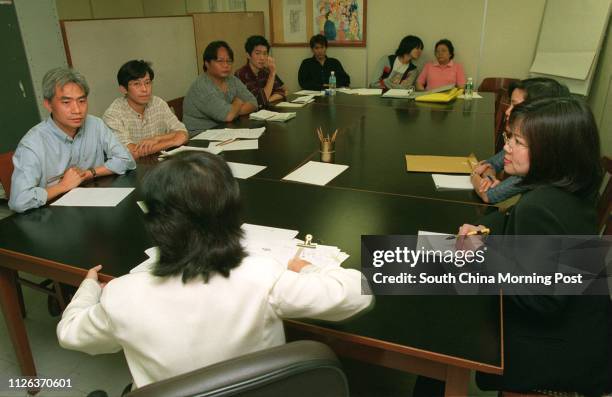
[[497, 161], [25, 190]]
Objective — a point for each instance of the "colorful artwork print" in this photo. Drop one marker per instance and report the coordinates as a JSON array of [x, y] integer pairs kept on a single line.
[[339, 21]]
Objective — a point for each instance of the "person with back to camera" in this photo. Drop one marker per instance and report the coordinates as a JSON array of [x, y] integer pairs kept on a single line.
[[206, 300]]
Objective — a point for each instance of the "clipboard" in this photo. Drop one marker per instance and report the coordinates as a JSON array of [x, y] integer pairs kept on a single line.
[[441, 164]]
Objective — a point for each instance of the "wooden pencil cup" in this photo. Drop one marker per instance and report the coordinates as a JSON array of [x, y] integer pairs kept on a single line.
[[327, 149]]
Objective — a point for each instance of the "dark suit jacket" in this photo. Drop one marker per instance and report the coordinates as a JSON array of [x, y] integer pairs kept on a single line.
[[558, 343]]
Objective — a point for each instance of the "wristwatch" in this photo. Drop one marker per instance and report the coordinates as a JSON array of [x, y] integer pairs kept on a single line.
[[93, 172]]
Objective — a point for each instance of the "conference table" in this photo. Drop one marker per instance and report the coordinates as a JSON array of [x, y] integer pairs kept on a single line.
[[443, 337]]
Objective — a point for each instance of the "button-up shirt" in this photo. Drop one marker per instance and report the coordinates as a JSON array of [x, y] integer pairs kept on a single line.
[[435, 75], [312, 75], [132, 127], [46, 152], [256, 83]]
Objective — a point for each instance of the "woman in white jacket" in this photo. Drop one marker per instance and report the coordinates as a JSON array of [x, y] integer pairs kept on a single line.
[[205, 300]]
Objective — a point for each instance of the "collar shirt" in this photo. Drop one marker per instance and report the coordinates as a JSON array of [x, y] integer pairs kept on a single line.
[[435, 75], [46, 152], [132, 127], [256, 83]]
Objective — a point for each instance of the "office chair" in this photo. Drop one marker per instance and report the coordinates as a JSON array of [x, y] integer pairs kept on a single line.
[[296, 369]]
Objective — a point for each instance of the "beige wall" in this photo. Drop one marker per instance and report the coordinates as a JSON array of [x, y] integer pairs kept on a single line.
[[600, 97]]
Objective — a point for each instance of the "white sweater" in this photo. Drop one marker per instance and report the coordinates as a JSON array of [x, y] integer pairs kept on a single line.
[[168, 328]]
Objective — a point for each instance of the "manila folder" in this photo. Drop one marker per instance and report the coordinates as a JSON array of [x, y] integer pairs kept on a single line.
[[441, 164]]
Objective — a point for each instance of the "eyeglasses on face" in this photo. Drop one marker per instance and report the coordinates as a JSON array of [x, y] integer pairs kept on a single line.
[[224, 61], [511, 140]]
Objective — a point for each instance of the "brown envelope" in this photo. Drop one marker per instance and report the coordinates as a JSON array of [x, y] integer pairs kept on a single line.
[[441, 164]]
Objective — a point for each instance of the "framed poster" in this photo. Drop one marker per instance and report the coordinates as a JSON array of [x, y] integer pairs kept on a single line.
[[294, 22]]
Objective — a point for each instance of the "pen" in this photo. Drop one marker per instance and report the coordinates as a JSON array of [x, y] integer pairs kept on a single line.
[[489, 177], [226, 142]]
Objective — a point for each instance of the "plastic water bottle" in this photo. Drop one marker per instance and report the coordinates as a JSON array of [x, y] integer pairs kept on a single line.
[[332, 83], [469, 89]]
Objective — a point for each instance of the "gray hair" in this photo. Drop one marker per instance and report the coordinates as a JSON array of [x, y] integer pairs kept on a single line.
[[60, 77]]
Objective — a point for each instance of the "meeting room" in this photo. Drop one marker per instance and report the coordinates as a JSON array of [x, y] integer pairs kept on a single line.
[[306, 197]]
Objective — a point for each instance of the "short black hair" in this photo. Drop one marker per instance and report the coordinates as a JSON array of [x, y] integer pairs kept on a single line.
[[210, 53], [539, 87], [408, 44], [254, 41], [134, 70], [193, 204], [318, 39], [448, 44], [563, 142]]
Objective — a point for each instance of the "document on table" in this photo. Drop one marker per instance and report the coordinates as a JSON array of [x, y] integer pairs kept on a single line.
[[290, 105], [224, 134], [94, 197], [316, 173], [310, 92], [245, 144], [474, 96], [267, 115], [436, 241], [364, 91], [259, 232], [167, 153], [399, 93], [244, 171], [304, 99], [452, 182]]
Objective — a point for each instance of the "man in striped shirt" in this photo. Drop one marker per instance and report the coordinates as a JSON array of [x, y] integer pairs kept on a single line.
[[143, 122]]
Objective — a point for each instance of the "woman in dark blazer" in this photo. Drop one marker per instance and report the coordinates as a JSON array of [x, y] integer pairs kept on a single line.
[[553, 343]]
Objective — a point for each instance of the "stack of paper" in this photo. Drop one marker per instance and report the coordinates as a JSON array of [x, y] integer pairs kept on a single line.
[[245, 144], [180, 149], [452, 182], [224, 134], [276, 243], [304, 99], [289, 105], [310, 92], [266, 115], [398, 93], [361, 91], [475, 95], [94, 197], [316, 173]]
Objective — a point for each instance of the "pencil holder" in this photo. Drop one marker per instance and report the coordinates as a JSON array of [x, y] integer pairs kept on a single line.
[[327, 149]]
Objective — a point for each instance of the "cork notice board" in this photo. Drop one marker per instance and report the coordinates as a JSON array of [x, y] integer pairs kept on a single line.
[[232, 27]]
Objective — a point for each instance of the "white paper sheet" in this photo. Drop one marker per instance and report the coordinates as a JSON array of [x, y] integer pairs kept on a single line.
[[180, 149], [230, 133], [244, 171], [399, 93], [316, 173], [304, 99], [475, 95], [259, 232], [267, 115], [310, 92], [289, 105], [452, 182], [361, 91], [245, 144], [94, 197]]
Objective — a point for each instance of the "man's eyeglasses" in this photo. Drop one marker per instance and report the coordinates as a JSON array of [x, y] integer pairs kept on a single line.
[[225, 61], [511, 141]]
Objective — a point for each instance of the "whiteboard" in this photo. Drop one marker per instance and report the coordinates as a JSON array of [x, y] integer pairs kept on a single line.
[[98, 48]]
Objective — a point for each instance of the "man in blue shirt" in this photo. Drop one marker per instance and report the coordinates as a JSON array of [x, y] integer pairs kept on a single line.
[[66, 149]]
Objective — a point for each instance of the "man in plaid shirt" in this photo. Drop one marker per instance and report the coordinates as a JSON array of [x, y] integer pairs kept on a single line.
[[259, 74], [143, 122]]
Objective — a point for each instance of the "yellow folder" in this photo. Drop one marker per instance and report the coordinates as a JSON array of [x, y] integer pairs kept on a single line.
[[441, 164], [440, 96]]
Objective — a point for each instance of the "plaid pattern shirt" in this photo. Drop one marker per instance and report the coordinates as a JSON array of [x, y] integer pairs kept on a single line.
[[255, 83], [132, 127]]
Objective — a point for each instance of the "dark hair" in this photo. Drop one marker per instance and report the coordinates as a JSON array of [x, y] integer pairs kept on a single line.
[[408, 44], [134, 70], [254, 41], [193, 216], [448, 44], [210, 53], [318, 39], [563, 142], [539, 87]]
